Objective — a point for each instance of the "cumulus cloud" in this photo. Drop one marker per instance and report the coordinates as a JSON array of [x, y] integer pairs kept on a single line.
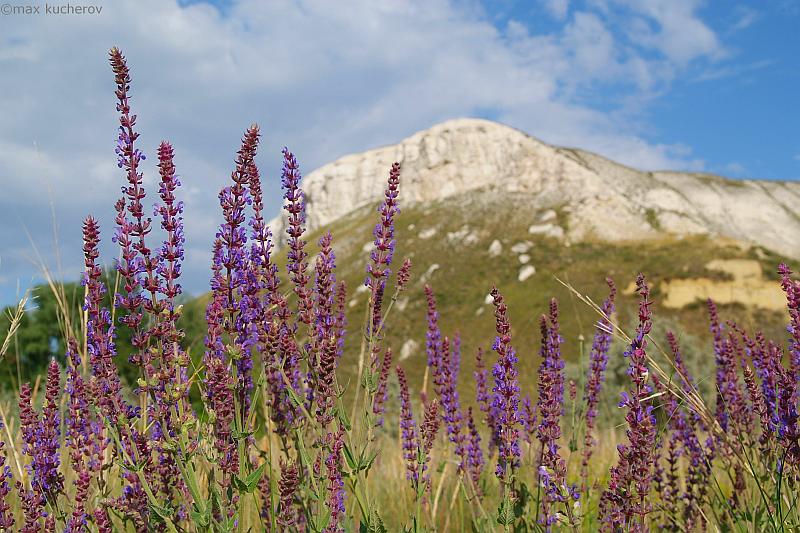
[[556, 8], [673, 29], [318, 79]]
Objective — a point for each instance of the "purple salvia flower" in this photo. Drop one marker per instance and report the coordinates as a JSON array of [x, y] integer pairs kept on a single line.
[[262, 243], [290, 480], [215, 310], [284, 361], [106, 388], [78, 522], [788, 423], [728, 394], [759, 406], [234, 284], [99, 330], [47, 457], [325, 343], [220, 390], [326, 387], [263, 295], [666, 482], [430, 427], [741, 411], [324, 282], [32, 504], [138, 265], [550, 406], [482, 397], [381, 256], [433, 341], [768, 371], [340, 320], [505, 394], [481, 387], [295, 206], [171, 372], [170, 255], [528, 418], [382, 393], [6, 515], [451, 404], [670, 491], [408, 431], [102, 520], [455, 355], [32, 501], [336, 493], [598, 361], [28, 419], [792, 289], [474, 453], [82, 430], [685, 428], [624, 503], [404, 274], [687, 383]]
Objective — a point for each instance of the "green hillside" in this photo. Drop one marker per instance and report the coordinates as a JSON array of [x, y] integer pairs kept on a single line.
[[456, 262]]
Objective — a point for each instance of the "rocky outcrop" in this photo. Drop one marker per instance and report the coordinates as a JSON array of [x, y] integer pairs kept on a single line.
[[584, 195]]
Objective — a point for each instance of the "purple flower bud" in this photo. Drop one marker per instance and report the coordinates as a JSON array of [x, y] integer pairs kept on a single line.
[[382, 394], [505, 394], [408, 431], [624, 503], [550, 406], [404, 274], [287, 514], [295, 206], [381, 256], [336, 493], [6, 514], [474, 453]]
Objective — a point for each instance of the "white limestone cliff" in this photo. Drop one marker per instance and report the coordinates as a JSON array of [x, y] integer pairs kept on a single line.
[[599, 198]]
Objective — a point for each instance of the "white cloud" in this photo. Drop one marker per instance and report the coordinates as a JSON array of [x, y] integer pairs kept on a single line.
[[558, 9], [734, 168], [592, 48], [672, 28], [317, 78], [746, 17]]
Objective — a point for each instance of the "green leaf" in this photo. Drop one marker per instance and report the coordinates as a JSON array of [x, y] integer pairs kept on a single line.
[[162, 512], [366, 464], [201, 520], [249, 483], [304, 457], [505, 513], [255, 476], [296, 400], [376, 524], [344, 420], [324, 521], [351, 460]]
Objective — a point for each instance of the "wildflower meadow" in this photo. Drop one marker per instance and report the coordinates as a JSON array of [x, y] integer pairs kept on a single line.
[[259, 432]]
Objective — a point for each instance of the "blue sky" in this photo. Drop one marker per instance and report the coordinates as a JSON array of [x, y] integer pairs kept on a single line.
[[679, 84]]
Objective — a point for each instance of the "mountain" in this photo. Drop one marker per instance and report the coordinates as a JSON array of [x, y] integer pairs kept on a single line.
[[483, 204], [596, 198]]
